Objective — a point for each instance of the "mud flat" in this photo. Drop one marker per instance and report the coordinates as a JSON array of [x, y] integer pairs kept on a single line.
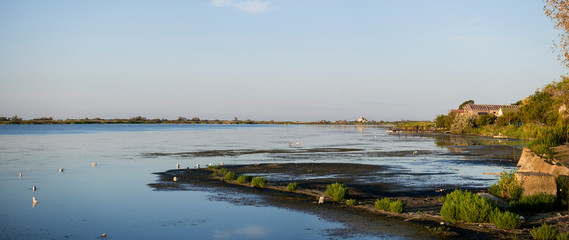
[[422, 210]]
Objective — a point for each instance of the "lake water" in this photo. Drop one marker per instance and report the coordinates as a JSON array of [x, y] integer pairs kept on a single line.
[[83, 201]]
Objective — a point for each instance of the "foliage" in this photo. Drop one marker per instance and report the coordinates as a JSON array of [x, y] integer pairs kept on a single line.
[[508, 187], [243, 179], [223, 171], [397, 206], [386, 204], [258, 182], [441, 199], [465, 103], [505, 220], [544, 232], [441, 230], [230, 176], [533, 203], [351, 202], [467, 206], [549, 137], [563, 236], [214, 167], [558, 11], [485, 120], [382, 204], [462, 123], [337, 191], [291, 187], [444, 121]]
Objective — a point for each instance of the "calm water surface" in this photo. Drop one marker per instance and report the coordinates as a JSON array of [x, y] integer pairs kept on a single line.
[[82, 202]]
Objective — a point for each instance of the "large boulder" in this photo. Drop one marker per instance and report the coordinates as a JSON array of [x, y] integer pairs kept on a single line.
[[536, 182], [530, 162]]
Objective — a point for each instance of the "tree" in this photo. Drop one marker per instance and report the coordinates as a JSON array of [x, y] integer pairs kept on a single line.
[[465, 103], [558, 11]]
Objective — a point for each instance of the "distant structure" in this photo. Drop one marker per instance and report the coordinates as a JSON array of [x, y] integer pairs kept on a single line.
[[496, 110], [362, 120]]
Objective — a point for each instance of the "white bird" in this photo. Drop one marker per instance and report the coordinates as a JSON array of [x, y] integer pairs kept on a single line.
[[221, 163], [34, 188], [415, 152], [35, 201], [20, 174], [198, 165], [178, 166], [289, 144], [93, 164], [104, 235], [175, 179], [61, 170], [210, 164], [297, 144]]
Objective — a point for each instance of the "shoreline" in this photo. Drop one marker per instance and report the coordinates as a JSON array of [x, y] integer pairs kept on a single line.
[[423, 207]]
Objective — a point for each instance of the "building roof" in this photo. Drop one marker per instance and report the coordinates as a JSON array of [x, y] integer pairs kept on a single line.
[[484, 107]]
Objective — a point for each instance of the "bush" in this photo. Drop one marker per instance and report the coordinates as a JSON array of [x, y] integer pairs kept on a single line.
[[291, 187], [467, 206], [223, 171], [485, 120], [243, 179], [382, 204], [390, 205], [230, 176], [508, 187], [259, 182], [505, 220], [534, 203], [397, 206], [545, 232], [351, 202], [563, 236], [337, 191], [462, 123]]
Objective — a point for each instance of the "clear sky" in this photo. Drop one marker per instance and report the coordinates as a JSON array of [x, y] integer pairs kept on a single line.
[[304, 60]]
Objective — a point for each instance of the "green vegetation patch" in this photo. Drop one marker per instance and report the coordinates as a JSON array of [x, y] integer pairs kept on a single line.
[[291, 187], [466, 206], [230, 176], [505, 220], [351, 202], [258, 182], [244, 179], [337, 191], [533, 203], [508, 187], [544, 232], [386, 204]]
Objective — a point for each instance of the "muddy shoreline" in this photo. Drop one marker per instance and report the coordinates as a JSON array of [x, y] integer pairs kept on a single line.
[[422, 208]]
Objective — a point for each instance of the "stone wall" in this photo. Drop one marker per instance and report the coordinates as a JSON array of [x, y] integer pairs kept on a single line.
[[530, 162], [536, 175]]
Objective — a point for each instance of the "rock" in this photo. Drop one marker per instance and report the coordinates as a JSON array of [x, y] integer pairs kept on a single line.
[[536, 182], [501, 203], [530, 162]]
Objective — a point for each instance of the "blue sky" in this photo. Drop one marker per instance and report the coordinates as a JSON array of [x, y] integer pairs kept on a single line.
[[302, 60]]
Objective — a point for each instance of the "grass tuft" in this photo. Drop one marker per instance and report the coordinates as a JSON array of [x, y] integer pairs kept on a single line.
[[291, 187], [337, 191], [351, 202], [505, 220], [258, 182], [544, 232]]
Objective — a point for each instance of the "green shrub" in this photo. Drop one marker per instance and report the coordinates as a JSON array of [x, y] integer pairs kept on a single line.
[[258, 182], [533, 203], [382, 204], [505, 220], [230, 176], [223, 171], [545, 232], [337, 191], [441, 199], [441, 230], [563, 236], [243, 179], [214, 167], [351, 202], [397, 206], [508, 187], [467, 206], [291, 187]]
